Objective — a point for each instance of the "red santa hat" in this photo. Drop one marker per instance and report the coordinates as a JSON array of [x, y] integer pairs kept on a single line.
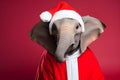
[[62, 10]]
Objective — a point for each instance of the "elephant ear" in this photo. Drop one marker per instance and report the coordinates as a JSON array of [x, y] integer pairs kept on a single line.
[[93, 29], [40, 34]]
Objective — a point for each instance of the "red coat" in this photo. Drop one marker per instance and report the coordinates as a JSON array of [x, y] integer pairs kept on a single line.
[[50, 69]]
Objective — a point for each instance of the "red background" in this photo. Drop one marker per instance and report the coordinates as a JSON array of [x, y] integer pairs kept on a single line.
[[19, 56]]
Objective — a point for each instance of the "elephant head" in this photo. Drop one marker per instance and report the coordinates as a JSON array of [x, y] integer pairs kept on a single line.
[[67, 35]]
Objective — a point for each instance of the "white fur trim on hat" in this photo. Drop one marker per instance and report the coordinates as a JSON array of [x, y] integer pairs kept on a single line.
[[66, 14], [45, 16]]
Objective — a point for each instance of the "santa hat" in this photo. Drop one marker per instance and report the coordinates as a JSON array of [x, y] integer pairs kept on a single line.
[[62, 10]]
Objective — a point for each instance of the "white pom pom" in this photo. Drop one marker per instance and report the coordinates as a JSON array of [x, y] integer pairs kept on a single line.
[[45, 16]]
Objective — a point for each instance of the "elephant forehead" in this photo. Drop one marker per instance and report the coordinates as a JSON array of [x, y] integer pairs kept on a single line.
[[66, 22]]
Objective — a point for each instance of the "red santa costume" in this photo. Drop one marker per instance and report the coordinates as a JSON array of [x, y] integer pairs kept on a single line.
[[79, 66], [50, 69]]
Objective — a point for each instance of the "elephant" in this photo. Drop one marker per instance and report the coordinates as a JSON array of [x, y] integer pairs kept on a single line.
[[66, 36]]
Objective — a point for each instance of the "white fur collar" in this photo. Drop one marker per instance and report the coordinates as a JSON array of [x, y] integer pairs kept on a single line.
[[72, 66]]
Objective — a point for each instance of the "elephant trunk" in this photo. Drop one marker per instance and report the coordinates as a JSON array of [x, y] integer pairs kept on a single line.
[[66, 39]]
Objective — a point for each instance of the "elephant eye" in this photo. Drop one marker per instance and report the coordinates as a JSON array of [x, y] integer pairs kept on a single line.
[[77, 26]]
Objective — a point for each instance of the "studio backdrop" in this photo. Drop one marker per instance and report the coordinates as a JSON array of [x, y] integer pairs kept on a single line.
[[19, 55]]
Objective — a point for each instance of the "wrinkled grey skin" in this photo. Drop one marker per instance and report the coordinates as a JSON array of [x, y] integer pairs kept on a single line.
[[67, 36]]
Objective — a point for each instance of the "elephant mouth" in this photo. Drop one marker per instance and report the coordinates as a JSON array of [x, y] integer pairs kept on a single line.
[[71, 50]]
